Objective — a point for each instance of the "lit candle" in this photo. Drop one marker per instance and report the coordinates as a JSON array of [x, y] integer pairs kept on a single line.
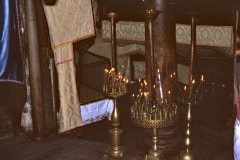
[[191, 88], [134, 101], [138, 99], [200, 85], [176, 81], [126, 83], [146, 97], [158, 74], [154, 93], [145, 83], [185, 88], [160, 85], [202, 81], [169, 97]]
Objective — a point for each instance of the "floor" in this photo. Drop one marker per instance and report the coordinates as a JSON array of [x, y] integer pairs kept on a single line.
[[211, 137], [212, 131]]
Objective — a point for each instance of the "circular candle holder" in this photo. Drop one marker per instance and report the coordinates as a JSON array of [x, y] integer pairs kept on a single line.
[[154, 116], [146, 112], [191, 95]]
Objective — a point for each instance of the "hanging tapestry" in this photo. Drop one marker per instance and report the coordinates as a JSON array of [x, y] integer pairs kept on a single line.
[[68, 22]]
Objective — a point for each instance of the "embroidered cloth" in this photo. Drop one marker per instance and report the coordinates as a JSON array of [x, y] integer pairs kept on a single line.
[[68, 22]]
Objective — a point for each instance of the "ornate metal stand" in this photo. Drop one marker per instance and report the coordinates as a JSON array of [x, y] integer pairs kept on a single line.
[[116, 134], [187, 154], [147, 115], [115, 85], [191, 95], [146, 112], [112, 16]]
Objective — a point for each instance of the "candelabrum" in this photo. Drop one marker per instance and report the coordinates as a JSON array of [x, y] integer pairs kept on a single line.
[[115, 85], [191, 95], [153, 114], [147, 111]]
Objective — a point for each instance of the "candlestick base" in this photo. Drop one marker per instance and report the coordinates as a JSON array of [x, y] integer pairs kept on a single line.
[[186, 155], [115, 150], [151, 157]]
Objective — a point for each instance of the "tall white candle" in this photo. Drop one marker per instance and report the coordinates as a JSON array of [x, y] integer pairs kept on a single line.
[[160, 85], [169, 97]]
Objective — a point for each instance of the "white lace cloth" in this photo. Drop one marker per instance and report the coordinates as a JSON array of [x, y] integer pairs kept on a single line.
[[96, 111], [92, 112]]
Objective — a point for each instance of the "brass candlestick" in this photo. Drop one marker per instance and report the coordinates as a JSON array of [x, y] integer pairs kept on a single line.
[[147, 115], [116, 133], [187, 154], [193, 48], [112, 17], [150, 75], [115, 85], [192, 94], [146, 112]]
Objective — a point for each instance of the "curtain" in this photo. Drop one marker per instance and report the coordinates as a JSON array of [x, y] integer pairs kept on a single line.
[[11, 69], [68, 22]]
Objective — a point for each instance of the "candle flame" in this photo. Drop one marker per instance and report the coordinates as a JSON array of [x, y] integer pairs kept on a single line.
[[193, 81], [145, 82], [146, 94], [112, 70], [202, 77]]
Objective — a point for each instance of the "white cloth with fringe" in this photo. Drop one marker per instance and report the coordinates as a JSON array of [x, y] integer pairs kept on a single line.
[[68, 22]]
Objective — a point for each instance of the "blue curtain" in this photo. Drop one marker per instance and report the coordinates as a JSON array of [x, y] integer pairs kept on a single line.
[[11, 68]]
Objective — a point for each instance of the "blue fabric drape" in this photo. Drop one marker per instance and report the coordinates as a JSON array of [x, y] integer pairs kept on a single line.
[[10, 57]]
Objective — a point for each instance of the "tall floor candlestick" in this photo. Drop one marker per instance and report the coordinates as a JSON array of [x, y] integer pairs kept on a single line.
[[150, 69], [154, 153], [191, 99], [193, 48], [112, 17], [187, 154]]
